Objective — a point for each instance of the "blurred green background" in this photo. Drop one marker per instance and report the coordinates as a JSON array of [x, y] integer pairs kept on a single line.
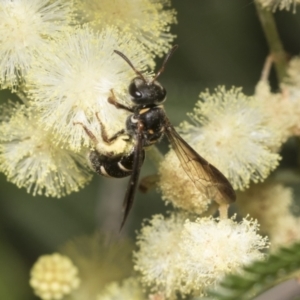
[[220, 43]]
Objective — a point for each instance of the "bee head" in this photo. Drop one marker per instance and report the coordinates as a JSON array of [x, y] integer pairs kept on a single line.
[[142, 91], [145, 93]]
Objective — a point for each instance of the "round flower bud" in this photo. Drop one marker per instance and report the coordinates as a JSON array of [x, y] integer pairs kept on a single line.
[[53, 276]]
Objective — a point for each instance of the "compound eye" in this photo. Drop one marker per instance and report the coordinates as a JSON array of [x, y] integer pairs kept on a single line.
[[134, 92], [161, 95]]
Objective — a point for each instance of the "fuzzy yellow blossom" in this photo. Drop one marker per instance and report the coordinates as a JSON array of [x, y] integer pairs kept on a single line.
[[187, 257], [129, 289], [281, 111], [279, 4], [29, 158], [287, 232], [158, 260], [25, 29], [291, 81], [214, 248], [100, 261], [271, 204], [148, 21], [232, 132], [291, 94], [266, 202], [72, 83], [178, 189], [54, 276]]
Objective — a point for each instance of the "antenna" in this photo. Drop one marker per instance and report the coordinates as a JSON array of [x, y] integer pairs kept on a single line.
[[130, 64], [170, 53]]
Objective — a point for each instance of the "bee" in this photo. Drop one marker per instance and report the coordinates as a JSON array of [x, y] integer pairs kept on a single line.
[[145, 126]]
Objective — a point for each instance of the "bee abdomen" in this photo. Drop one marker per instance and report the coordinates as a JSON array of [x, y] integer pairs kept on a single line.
[[116, 166]]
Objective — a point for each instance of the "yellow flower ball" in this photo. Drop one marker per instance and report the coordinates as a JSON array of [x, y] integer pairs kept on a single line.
[[54, 276]]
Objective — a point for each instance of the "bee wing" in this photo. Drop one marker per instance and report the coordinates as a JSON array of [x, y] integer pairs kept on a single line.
[[138, 160], [207, 178]]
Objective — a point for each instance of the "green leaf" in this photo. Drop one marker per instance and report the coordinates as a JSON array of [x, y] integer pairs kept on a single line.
[[259, 276]]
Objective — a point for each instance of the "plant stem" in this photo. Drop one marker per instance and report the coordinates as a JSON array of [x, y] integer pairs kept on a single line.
[[223, 211], [276, 49]]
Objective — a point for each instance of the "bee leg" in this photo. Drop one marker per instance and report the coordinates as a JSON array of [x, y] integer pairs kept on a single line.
[[88, 132], [104, 134], [113, 100], [147, 183]]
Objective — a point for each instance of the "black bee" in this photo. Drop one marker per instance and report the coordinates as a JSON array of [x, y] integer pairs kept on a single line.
[[145, 126]]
